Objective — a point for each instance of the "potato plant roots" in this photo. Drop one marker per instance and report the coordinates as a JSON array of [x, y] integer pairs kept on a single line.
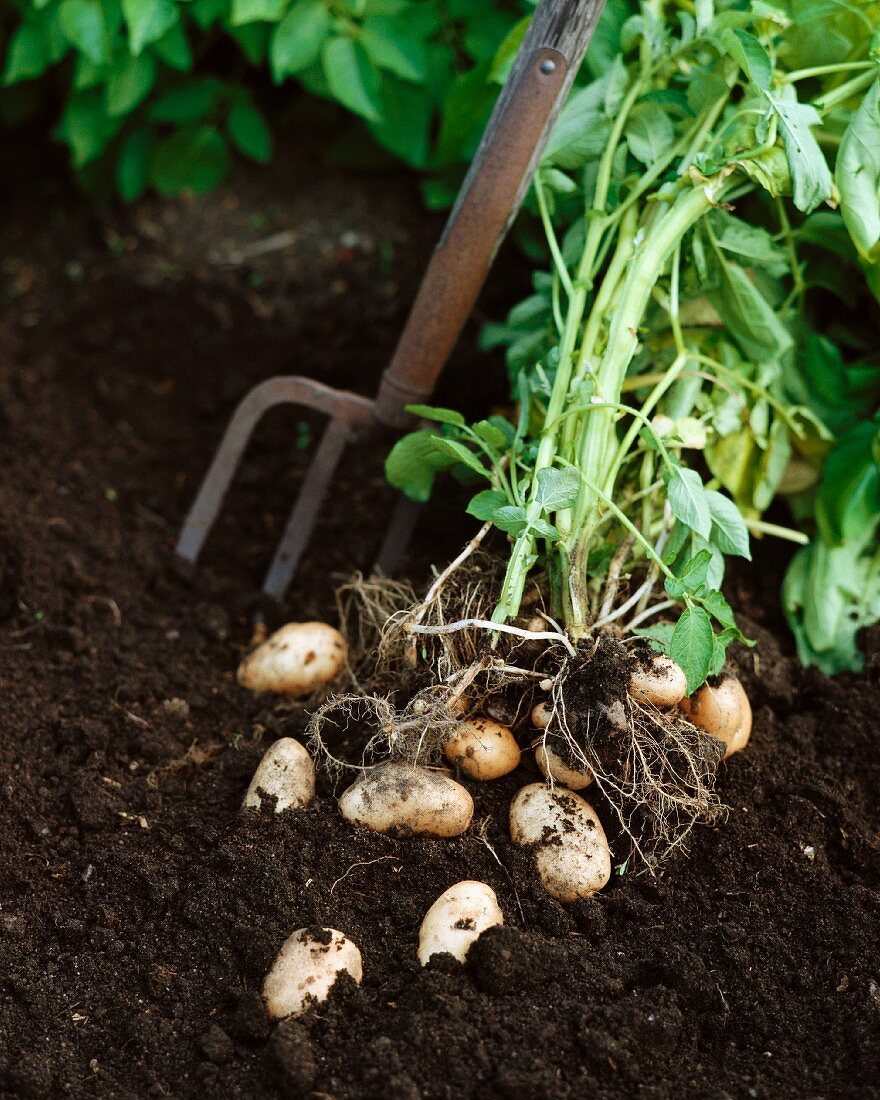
[[419, 666]]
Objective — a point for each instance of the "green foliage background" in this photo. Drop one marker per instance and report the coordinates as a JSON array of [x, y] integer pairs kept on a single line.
[[156, 93]]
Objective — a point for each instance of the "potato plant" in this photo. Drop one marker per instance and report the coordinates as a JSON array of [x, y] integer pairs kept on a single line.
[[704, 340], [154, 93]]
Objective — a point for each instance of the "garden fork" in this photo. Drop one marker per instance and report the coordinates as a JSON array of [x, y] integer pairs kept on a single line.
[[490, 196]]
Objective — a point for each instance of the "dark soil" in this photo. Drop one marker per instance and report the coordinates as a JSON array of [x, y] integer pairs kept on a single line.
[[139, 912]]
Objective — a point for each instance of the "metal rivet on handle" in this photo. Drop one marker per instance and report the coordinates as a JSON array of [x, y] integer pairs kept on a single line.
[[548, 67]]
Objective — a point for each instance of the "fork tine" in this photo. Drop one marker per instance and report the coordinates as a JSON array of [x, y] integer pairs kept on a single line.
[[305, 510], [397, 535], [281, 390]]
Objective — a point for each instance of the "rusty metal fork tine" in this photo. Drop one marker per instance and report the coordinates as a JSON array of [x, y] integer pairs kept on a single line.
[[305, 510], [398, 535], [281, 390]]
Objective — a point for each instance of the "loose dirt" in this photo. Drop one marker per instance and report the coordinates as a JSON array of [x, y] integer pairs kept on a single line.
[[139, 911]]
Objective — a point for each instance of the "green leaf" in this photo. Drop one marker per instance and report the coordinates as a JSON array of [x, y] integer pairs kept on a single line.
[[82, 22], [557, 489], [414, 463], [749, 316], [719, 608], [405, 129], [857, 173], [649, 133], [148, 20], [729, 531], [208, 12], [130, 82], [659, 636], [191, 102], [461, 453], [442, 416], [484, 505], [352, 77], [465, 109], [392, 46], [510, 519], [253, 40], [751, 57], [26, 57], [195, 158], [811, 180], [544, 529], [687, 499], [256, 11], [751, 244], [133, 165], [249, 132], [580, 132], [691, 578], [692, 646], [829, 594], [173, 48], [86, 127], [848, 503], [492, 435], [720, 643]]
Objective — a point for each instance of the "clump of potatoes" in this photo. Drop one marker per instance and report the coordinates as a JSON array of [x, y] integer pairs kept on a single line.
[[570, 850]]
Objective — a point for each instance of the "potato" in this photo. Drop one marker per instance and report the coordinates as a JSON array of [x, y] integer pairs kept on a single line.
[[287, 772], [457, 918], [483, 749], [571, 852], [659, 681], [296, 660], [406, 800], [541, 715], [306, 969], [552, 766], [723, 711]]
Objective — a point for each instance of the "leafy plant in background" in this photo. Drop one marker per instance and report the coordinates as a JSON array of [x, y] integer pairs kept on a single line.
[[705, 339], [154, 95]]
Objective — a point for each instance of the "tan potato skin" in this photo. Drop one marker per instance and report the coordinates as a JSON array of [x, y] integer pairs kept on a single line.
[[296, 660], [571, 851], [405, 800], [305, 970], [552, 766], [286, 771], [663, 684], [483, 749], [541, 715], [457, 918], [723, 711]]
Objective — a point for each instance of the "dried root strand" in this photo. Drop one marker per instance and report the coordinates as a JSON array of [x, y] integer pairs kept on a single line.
[[666, 784]]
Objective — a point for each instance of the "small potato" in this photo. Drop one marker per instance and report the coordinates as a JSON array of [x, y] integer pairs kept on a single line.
[[296, 660], [659, 681], [541, 715], [287, 772], [406, 800], [306, 969], [483, 749], [723, 711], [552, 766], [571, 852], [457, 918]]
